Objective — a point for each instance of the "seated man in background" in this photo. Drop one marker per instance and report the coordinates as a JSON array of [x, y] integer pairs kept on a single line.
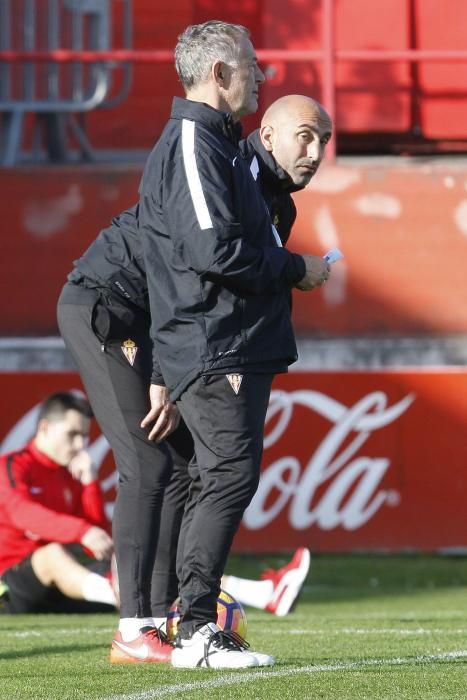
[[50, 499], [51, 508]]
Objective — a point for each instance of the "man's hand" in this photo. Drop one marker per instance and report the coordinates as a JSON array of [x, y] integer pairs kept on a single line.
[[317, 272], [163, 414], [82, 468], [98, 542]]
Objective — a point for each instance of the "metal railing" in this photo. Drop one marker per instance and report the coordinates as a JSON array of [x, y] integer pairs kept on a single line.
[[52, 90], [328, 55]]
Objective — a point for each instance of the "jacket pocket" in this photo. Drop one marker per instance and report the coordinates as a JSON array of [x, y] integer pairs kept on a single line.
[[100, 321]]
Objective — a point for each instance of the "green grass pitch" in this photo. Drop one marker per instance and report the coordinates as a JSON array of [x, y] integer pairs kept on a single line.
[[366, 627]]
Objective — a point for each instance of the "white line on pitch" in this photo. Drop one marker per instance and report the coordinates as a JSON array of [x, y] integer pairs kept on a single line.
[[236, 679], [403, 631]]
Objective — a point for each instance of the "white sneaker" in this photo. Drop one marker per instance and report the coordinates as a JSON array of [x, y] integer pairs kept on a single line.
[[211, 647]]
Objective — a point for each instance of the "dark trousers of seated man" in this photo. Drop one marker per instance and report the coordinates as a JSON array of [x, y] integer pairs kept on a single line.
[[26, 594]]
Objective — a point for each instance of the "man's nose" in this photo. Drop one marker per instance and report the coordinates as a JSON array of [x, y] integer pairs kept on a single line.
[[79, 443], [314, 150], [259, 77]]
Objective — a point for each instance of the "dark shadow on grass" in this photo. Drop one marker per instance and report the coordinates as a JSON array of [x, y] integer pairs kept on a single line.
[[45, 651]]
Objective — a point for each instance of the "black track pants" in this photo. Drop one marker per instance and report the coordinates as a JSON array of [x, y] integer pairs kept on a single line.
[[117, 384], [227, 429]]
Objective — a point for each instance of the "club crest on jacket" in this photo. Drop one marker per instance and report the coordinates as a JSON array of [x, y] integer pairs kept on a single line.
[[129, 349], [235, 381]]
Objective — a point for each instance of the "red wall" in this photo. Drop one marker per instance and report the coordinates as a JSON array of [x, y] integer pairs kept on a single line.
[[402, 227], [443, 85], [372, 97]]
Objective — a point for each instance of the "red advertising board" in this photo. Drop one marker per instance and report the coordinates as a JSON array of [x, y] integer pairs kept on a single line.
[[370, 460]]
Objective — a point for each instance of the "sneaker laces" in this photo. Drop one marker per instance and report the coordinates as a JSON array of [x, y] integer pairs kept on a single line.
[[228, 641], [268, 573], [156, 633]]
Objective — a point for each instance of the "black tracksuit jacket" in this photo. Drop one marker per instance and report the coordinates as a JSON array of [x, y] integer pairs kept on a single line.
[[275, 184], [201, 243]]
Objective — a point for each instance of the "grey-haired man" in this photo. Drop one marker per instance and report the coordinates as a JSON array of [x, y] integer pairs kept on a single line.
[[219, 283]]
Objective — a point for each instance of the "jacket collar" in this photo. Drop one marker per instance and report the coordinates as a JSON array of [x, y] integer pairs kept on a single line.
[[271, 172], [42, 458], [208, 116]]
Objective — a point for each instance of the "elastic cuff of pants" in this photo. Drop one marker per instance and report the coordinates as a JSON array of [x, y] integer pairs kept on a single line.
[[187, 631]]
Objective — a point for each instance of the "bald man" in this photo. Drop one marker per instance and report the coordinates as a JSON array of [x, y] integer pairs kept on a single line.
[[285, 153]]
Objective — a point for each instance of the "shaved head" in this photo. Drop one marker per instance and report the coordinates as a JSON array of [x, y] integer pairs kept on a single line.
[[296, 129], [293, 107]]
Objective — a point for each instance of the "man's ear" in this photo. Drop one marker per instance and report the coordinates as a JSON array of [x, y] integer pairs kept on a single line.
[[42, 426], [266, 134], [218, 71]]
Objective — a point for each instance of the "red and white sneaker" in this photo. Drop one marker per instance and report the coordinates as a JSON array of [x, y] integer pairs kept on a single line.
[[288, 582], [150, 646]]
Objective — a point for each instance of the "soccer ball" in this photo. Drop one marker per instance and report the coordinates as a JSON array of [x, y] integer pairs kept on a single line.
[[230, 616]]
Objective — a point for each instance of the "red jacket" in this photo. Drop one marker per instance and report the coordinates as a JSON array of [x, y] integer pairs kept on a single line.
[[40, 502]]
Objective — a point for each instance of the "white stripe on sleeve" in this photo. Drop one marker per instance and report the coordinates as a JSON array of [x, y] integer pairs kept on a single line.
[[276, 236], [192, 174]]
